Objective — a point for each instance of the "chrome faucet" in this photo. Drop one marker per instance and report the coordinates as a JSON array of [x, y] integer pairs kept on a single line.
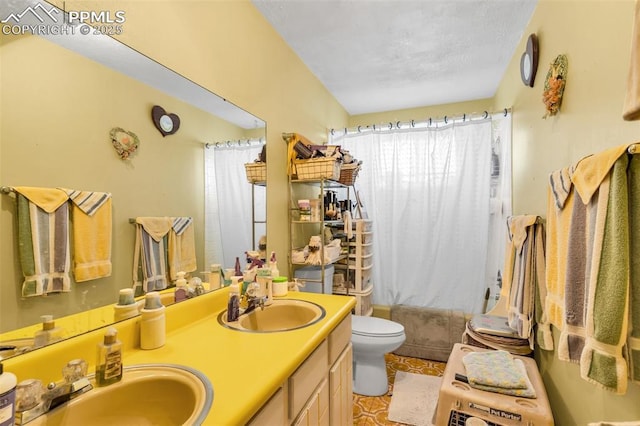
[[253, 298], [33, 400]]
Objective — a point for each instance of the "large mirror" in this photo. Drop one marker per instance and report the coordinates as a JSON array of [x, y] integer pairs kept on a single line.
[[60, 98]]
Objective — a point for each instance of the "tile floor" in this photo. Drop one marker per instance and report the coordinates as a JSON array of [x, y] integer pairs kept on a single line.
[[373, 410]]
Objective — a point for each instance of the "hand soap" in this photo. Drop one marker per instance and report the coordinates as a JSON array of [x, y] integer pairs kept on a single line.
[[273, 265], [152, 322], [49, 333], [109, 359], [8, 382]]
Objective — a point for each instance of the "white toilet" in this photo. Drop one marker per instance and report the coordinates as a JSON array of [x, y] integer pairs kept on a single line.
[[372, 338]]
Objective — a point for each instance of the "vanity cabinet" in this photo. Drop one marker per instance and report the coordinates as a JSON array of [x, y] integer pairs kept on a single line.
[[319, 392]]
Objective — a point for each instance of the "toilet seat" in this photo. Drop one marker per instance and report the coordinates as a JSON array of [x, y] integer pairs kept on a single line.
[[375, 327]]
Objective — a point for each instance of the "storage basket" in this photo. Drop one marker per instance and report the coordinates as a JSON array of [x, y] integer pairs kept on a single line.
[[256, 172], [348, 173], [317, 168]]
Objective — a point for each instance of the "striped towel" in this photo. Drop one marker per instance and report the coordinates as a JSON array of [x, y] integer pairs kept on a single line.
[[182, 249], [43, 240], [92, 234], [150, 255]]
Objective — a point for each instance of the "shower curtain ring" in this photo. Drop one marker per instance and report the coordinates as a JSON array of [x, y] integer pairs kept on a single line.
[[486, 115], [445, 119], [359, 129]]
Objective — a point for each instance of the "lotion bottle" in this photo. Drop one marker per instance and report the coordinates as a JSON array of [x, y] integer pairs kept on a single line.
[[152, 322], [273, 265], [109, 360], [8, 382]]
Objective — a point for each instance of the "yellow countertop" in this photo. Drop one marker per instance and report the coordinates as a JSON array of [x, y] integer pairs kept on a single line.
[[244, 368]]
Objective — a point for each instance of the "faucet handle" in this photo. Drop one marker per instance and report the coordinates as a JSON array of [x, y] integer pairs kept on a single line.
[[28, 394], [75, 370]]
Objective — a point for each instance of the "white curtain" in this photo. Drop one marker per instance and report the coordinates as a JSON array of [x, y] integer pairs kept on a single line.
[[229, 203], [428, 192]]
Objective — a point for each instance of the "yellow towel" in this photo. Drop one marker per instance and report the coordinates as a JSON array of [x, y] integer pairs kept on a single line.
[[156, 227], [92, 243], [591, 171], [631, 108], [48, 199], [182, 252]]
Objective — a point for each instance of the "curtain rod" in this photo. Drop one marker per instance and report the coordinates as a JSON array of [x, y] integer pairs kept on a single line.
[[237, 142], [424, 123]]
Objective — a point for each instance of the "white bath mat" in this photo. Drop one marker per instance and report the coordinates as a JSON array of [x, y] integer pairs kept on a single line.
[[414, 398]]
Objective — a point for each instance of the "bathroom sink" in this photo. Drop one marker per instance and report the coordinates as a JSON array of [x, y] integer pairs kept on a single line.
[[281, 315], [148, 394]]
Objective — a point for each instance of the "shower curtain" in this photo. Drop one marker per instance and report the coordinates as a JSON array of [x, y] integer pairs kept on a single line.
[[228, 203], [435, 208]]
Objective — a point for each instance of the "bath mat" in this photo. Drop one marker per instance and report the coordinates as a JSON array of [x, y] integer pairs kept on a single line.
[[414, 398]]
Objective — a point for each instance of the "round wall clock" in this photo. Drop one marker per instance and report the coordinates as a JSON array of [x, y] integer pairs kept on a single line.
[[166, 123], [529, 61]]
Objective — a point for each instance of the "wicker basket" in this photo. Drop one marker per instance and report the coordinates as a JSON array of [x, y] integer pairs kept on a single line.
[[317, 168], [256, 172], [348, 173]]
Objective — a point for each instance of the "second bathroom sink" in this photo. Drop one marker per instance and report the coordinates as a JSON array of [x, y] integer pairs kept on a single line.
[[281, 315]]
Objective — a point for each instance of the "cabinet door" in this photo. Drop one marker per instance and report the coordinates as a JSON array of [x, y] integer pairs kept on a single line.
[[316, 412], [341, 389], [272, 413]]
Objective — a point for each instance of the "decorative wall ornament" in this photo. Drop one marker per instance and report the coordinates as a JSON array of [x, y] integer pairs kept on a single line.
[[529, 61], [166, 123], [124, 142], [554, 85]]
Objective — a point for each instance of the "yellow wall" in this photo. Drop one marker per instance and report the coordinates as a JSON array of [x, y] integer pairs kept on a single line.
[[230, 49], [596, 37]]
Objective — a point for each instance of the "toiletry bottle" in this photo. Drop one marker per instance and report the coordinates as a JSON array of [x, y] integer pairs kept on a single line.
[[273, 265], [152, 322], [233, 307], [49, 333], [8, 382], [126, 306], [265, 281], [109, 361], [238, 270], [182, 292], [214, 277]]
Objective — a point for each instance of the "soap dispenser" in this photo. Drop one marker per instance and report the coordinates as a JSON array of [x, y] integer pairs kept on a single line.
[[182, 291], [49, 333], [8, 383], [273, 265], [152, 322], [109, 359], [126, 306]]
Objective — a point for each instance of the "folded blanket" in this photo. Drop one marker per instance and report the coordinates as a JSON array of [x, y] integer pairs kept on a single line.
[[498, 371], [43, 240], [92, 234]]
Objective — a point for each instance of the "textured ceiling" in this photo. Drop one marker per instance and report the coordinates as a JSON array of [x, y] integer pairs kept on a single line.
[[385, 55]]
